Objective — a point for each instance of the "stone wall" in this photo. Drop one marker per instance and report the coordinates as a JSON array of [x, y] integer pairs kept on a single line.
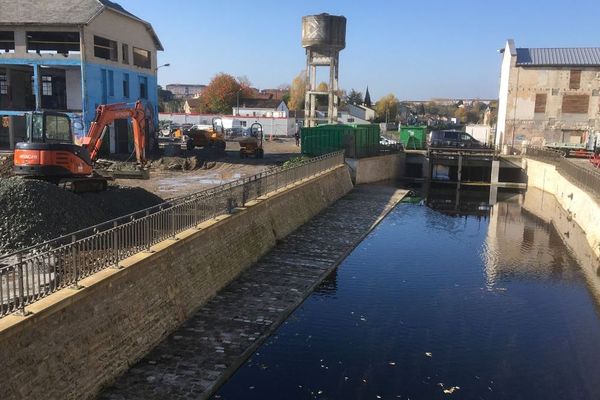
[[376, 169], [76, 341], [580, 206]]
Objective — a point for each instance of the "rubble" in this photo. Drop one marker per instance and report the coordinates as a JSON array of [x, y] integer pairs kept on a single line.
[[34, 211]]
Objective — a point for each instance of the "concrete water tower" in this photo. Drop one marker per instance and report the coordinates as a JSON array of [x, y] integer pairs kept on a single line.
[[323, 37]]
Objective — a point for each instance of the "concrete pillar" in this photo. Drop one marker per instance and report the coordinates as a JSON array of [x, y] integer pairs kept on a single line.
[[37, 85], [493, 195], [11, 132], [427, 167], [495, 172], [460, 159]]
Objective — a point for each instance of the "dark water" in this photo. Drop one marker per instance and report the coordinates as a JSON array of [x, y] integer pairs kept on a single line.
[[489, 306]]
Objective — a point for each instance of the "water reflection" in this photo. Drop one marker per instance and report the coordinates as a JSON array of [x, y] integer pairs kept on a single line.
[[444, 299]]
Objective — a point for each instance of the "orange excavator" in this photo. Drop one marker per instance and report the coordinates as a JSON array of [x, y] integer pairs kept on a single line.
[[50, 153]]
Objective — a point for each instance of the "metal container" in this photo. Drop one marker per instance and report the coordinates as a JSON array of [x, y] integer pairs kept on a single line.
[[413, 137], [324, 32], [358, 140]]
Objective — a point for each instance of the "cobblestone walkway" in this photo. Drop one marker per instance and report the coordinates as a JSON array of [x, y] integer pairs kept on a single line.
[[197, 358]]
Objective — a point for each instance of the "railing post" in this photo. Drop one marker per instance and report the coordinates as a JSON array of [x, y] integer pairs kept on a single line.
[[173, 233], [21, 311], [148, 231], [75, 284], [116, 245]]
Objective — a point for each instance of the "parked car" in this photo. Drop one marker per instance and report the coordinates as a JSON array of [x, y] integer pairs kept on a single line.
[[452, 138]]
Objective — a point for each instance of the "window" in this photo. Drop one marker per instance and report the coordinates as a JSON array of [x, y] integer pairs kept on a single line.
[[7, 41], [46, 85], [105, 48], [451, 135], [58, 129], [126, 86], [243, 123], [52, 42], [575, 104], [111, 83], [3, 84], [350, 120], [575, 79], [554, 92], [595, 92], [540, 103], [141, 58], [125, 53], [35, 129], [143, 87]]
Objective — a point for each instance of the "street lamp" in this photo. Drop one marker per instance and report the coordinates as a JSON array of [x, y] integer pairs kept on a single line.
[[160, 66]]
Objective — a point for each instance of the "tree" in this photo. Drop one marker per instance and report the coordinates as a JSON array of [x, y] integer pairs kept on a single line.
[[354, 97], [387, 106], [297, 92], [220, 96], [322, 87]]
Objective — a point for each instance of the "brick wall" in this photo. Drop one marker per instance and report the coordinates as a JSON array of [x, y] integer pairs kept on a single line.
[[79, 340]]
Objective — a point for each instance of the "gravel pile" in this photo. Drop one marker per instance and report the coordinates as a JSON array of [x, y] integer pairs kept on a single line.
[[33, 211]]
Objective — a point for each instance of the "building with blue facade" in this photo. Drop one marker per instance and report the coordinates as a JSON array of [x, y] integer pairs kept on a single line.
[[71, 56]]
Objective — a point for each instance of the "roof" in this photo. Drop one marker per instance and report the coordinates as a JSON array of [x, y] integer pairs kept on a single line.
[[581, 56], [62, 12], [260, 103]]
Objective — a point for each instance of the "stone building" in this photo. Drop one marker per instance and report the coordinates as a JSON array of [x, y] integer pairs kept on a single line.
[[548, 95], [70, 56]]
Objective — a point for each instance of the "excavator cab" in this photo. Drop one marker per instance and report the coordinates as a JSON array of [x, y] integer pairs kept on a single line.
[[49, 152]]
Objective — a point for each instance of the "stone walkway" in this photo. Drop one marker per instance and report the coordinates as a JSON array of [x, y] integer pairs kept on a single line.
[[205, 351]]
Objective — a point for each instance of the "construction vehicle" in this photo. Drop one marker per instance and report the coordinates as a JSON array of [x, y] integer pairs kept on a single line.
[[588, 145], [51, 154], [212, 137], [253, 144]]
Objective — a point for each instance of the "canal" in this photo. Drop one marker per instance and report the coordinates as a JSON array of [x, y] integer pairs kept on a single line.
[[446, 298]]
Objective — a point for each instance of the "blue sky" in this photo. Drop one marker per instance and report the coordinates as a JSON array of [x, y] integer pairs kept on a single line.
[[414, 49]]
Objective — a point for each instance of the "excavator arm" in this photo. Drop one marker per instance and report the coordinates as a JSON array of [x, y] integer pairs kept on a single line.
[[105, 115]]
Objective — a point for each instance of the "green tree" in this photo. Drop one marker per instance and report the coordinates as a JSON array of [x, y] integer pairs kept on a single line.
[[354, 97]]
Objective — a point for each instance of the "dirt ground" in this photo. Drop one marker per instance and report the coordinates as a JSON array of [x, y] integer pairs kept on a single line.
[[215, 171]]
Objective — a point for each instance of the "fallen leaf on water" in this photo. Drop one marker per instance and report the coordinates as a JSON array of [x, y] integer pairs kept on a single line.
[[451, 390], [428, 354]]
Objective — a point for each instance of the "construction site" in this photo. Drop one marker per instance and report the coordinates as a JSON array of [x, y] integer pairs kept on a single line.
[[301, 246]]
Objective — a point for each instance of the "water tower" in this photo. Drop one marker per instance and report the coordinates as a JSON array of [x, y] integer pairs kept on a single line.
[[323, 37]]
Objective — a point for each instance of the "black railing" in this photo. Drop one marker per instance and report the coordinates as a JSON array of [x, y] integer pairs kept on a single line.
[[580, 172], [33, 273]]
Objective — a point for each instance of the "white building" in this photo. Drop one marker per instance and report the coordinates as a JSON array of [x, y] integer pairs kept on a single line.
[[548, 95], [261, 108]]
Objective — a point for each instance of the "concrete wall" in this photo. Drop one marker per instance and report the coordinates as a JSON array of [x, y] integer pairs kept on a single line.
[[581, 207], [375, 169], [76, 341]]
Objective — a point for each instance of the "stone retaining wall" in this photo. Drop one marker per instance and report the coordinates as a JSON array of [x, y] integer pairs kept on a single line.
[[77, 341], [376, 169], [580, 206]]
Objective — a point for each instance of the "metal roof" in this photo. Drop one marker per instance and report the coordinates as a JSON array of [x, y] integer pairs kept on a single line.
[[581, 56], [62, 12]]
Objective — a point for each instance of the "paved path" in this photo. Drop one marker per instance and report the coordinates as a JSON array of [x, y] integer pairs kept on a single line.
[[197, 358]]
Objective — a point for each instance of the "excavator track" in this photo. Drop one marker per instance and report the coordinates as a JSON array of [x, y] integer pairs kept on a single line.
[[84, 185]]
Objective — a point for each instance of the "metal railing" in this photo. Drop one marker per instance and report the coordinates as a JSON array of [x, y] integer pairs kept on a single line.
[[583, 174], [33, 273]]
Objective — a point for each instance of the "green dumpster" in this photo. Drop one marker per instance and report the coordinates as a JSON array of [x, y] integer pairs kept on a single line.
[[413, 137], [359, 140]]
